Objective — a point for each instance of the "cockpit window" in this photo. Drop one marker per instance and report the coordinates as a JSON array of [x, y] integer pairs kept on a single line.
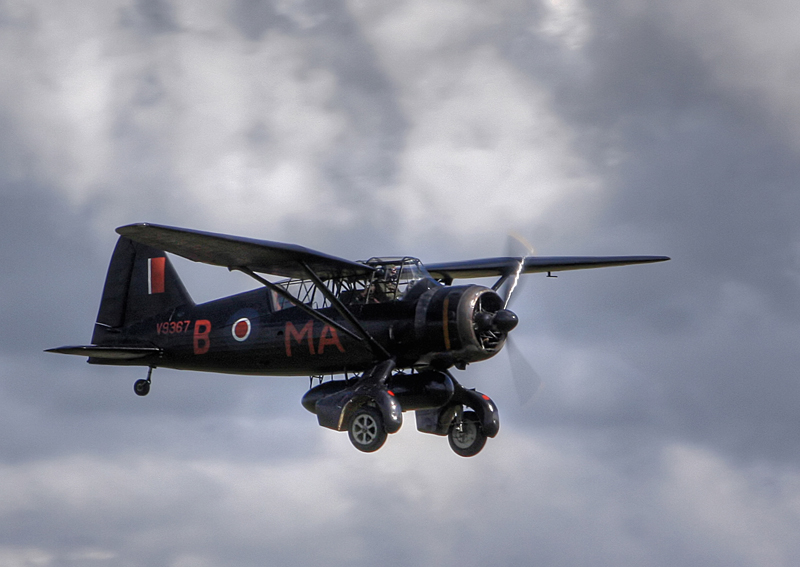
[[393, 277], [391, 280]]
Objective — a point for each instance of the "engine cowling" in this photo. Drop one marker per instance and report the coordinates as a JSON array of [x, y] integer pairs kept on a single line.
[[456, 325]]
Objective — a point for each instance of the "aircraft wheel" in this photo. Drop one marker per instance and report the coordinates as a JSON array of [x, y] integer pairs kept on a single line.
[[366, 429], [466, 436], [141, 387]]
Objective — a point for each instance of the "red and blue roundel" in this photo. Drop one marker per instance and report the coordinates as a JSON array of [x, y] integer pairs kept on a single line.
[[241, 329], [244, 325]]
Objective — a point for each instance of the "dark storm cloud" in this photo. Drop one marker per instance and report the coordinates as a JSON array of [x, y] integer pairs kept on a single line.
[[706, 176], [40, 239], [55, 266], [149, 16], [366, 157], [255, 17], [57, 409]]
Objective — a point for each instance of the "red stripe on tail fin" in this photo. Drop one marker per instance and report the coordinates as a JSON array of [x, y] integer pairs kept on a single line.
[[155, 275]]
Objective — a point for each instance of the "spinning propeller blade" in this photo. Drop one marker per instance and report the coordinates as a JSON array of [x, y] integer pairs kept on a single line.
[[516, 246], [526, 379]]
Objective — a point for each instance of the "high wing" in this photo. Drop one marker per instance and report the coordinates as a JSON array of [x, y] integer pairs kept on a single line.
[[276, 258], [503, 266]]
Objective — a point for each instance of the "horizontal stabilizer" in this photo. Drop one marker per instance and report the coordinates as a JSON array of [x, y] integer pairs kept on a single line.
[[107, 352], [276, 258], [492, 267]]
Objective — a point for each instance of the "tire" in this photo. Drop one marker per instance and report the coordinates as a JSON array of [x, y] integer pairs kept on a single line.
[[141, 387], [466, 437], [366, 429]]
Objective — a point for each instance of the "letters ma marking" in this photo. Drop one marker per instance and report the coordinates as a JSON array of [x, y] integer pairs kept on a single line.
[[327, 337]]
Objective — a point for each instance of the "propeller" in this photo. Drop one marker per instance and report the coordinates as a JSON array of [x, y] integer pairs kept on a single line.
[[491, 321], [501, 321], [526, 379], [516, 246]]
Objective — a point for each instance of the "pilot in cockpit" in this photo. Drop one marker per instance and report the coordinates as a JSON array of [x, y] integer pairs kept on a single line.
[[383, 287]]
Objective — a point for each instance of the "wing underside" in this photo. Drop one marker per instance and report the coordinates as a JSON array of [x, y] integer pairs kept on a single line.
[[290, 260], [502, 266], [233, 252]]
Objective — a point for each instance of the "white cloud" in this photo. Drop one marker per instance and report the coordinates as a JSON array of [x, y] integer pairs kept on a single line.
[[201, 120], [59, 85], [714, 504], [485, 150], [229, 91], [567, 22], [12, 556], [524, 496]]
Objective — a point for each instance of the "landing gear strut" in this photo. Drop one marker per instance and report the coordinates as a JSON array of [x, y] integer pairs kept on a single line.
[[142, 387]]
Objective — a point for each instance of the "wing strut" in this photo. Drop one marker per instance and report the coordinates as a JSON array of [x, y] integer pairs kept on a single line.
[[297, 303], [344, 311]]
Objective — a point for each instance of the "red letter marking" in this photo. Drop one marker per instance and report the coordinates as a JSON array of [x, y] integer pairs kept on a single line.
[[292, 333], [202, 327], [325, 341]]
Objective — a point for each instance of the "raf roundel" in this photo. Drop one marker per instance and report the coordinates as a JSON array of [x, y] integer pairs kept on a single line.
[[241, 329]]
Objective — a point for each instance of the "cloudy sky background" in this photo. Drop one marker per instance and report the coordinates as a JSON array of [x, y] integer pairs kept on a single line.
[[666, 432]]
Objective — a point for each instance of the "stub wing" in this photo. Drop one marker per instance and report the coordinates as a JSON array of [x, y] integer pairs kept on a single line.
[[276, 258], [497, 267]]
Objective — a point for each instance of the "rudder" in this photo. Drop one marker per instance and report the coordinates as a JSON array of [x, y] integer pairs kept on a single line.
[[140, 283]]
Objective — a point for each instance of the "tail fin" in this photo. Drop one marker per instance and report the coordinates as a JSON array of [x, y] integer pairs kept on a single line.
[[140, 283]]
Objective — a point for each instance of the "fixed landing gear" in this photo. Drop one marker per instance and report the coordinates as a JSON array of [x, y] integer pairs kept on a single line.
[[466, 435], [366, 430], [142, 387], [371, 408]]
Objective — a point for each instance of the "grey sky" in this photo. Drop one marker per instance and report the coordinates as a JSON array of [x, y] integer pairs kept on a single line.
[[666, 429]]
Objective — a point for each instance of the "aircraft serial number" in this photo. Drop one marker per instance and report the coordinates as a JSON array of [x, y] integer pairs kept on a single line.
[[173, 327]]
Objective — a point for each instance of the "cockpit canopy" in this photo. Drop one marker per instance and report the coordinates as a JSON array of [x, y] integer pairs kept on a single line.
[[392, 279]]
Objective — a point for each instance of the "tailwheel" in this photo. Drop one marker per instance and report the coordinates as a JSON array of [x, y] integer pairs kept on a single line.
[[366, 429], [466, 436], [141, 387]]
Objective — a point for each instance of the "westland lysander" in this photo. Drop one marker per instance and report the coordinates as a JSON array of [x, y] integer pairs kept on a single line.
[[392, 328]]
